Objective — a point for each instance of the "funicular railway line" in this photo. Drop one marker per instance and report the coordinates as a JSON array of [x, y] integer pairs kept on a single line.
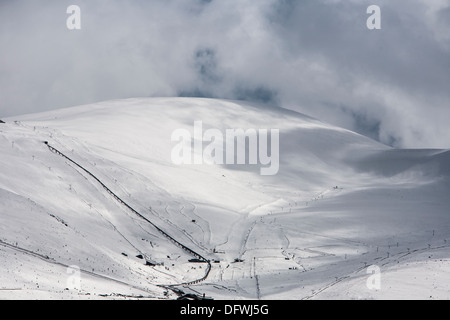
[[195, 254]]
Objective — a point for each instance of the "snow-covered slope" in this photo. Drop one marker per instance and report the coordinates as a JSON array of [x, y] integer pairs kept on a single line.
[[339, 203]]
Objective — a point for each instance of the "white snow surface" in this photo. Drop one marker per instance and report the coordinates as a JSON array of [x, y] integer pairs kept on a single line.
[[340, 203]]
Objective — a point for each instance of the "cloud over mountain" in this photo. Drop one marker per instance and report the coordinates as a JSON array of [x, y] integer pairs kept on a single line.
[[316, 57]]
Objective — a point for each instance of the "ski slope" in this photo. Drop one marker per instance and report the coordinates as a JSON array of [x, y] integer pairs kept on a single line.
[[339, 203]]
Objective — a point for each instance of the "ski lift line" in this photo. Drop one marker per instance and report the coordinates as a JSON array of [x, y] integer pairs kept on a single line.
[[117, 198]]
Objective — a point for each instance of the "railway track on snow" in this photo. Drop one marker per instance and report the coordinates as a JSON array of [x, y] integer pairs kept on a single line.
[[164, 233]]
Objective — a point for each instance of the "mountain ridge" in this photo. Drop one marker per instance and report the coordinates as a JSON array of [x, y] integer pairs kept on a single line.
[[340, 201]]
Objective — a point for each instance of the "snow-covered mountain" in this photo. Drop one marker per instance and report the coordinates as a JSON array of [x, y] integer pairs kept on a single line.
[[339, 203]]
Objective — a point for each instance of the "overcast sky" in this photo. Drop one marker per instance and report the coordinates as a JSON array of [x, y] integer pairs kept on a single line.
[[314, 56]]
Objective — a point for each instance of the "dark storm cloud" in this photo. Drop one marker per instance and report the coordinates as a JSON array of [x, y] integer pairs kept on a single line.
[[316, 57]]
